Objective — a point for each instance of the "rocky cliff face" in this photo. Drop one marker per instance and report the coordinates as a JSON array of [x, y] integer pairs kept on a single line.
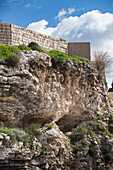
[[38, 92], [71, 97]]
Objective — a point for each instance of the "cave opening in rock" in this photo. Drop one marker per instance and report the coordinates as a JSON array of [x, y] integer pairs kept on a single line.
[[67, 123]]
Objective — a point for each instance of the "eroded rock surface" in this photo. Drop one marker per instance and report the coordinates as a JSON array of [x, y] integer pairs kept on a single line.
[[51, 149], [38, 92], [89, 146], [70, 97]]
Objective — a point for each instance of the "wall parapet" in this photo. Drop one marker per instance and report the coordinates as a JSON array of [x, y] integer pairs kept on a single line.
[[14, 35]]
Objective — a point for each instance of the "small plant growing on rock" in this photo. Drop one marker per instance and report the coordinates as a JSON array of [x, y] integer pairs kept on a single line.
[[23, 47], [91, 123], [111, 105], [110, 97], [16, 134], [35, 46], [57, 60], [13, 49], [73, 137], [92, 149], [78, 135], [75, 150], [50, 126], [6, 131], [107, 156], [95, 125], [107, 131], [33, 131], [13, 60], [110, 124], [44, 150], [1, 124]]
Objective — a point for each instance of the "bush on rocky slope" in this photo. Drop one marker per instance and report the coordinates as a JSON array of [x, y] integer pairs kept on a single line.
[[13, 60], [35, 46], [5, 50], [60, 56], [57, 56]]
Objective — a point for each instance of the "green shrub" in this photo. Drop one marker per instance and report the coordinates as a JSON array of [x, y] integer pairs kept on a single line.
[[78, 135], [110, 97], [50, 126], [91, 123], [16, 134], [107, 131], [6, 131], [107, 156], [27, 140], [89, 131], [23, 47], [95, 125], [75, 150], [33, 130], [5, 51], [73, 137], [111, 105], [13, 60], [100, 117], [92, 149], [35, 46], [9, 132], [57, 60], [14, 49], [44, 150], [60, 55], [20, 135]]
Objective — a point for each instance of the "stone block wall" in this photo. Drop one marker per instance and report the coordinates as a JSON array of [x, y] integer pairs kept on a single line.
[[14, 35], [5, 34]]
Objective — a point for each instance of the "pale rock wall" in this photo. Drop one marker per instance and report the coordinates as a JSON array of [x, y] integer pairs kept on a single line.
[[5, 34], [38, 92], [14, 35]]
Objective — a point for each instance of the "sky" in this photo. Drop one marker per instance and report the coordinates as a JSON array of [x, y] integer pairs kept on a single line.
[[72, 20]]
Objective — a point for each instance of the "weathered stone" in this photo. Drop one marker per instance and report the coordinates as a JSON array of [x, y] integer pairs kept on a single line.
[[3, 79], [1, 137], [50, 134], [14, 80], [35, 91]]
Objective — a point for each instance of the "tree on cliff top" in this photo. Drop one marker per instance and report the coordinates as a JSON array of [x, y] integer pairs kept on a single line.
[[103, 62]]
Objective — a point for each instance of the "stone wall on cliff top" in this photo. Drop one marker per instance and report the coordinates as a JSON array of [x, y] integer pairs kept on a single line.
[[14, 35], [37, 92]]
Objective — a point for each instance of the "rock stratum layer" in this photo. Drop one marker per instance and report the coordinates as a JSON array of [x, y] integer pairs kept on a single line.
[[67, 94]]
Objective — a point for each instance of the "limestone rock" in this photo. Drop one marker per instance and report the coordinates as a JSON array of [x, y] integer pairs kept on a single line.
[[38, 92]]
